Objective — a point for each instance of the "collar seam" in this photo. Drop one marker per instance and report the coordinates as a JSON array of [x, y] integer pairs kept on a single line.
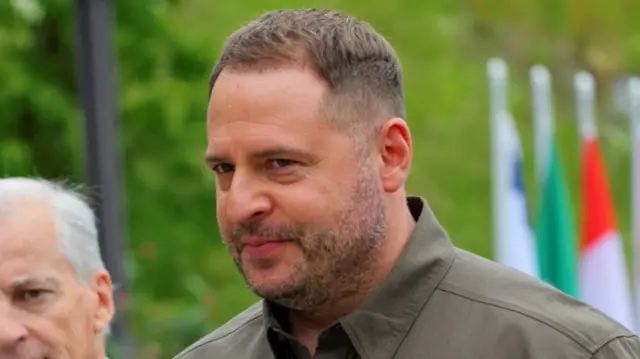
[[393, 344], [447, 263]]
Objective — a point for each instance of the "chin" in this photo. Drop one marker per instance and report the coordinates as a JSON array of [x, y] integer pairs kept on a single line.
[[269, 282]]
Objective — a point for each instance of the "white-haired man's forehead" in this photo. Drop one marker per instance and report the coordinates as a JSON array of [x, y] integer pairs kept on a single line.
[[15, 194], [27, 206], [18, 192]]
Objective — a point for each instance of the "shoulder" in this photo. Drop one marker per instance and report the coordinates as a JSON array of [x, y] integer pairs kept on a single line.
[[625, 347], [228, 338], [539, 313]]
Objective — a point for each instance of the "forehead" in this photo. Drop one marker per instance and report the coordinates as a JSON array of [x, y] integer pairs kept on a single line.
[[279, 105], [28, 242]]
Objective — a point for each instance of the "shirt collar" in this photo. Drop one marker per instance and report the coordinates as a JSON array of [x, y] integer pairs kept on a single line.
[[379, 325]]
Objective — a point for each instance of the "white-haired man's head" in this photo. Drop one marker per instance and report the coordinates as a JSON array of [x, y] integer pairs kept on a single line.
[[74, 219], [55, 293]]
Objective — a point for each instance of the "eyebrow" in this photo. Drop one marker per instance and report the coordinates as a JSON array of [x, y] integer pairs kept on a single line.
[[30, 282], [265, 153]]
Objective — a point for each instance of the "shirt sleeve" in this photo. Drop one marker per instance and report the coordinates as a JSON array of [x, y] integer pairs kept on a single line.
[[627, 347]]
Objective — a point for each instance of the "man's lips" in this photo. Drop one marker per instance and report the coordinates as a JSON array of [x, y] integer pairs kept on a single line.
[[261, 247], [254, 241]]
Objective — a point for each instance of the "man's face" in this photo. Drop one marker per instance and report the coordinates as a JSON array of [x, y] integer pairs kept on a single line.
[[45, 313], [302, 215]]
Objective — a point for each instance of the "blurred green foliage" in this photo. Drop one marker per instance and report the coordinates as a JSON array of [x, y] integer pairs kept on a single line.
[[183, 282]]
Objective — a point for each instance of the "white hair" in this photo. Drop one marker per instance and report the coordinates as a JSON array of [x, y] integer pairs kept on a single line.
[[74, 221]]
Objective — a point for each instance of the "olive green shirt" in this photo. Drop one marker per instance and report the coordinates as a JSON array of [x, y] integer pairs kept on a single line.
[[438, 302]]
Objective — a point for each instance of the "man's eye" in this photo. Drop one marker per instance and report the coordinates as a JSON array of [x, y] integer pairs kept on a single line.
[[280, 163], [222, 168], [31, 294]]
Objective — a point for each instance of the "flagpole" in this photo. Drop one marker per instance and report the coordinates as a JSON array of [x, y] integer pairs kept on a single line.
[[498, 91], [498, 87], [585, 104], [634, 114], [543, 120]]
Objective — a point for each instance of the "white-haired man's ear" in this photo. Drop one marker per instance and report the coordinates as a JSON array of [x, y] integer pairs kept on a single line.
[[115, 288], [105, 306]]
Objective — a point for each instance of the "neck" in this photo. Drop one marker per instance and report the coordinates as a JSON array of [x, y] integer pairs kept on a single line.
[[100, 348], [306, 325]]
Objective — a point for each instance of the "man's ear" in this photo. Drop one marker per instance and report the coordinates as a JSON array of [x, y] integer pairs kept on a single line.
[[105, 307], [396, 149]]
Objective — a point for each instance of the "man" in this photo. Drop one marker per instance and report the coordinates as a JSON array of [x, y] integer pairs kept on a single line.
[[310, 151], [55, 294]]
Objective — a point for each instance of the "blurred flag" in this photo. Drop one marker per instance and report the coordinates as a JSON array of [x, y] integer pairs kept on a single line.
[[556, 238], [604, 282], [515, 244], [557, 248]]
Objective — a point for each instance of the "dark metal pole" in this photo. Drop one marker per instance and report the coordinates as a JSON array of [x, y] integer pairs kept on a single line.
[[98, 94]]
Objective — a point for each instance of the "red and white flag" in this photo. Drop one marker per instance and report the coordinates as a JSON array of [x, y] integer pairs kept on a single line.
[[603, 280]]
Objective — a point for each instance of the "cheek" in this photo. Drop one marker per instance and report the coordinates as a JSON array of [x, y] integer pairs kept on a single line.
[[219, 208], [223, 224], [221, 218], [67, 324], [309, 204], [52, 330]]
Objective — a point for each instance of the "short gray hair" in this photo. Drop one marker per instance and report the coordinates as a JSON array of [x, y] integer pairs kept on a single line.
[[74, 220], [360, 67]]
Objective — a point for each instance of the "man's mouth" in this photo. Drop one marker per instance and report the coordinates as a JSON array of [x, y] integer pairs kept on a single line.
[[261, 247], [257, 241]]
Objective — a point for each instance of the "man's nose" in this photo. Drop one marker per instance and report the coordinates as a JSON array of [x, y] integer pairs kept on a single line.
[[247, 200], [12, 331]]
